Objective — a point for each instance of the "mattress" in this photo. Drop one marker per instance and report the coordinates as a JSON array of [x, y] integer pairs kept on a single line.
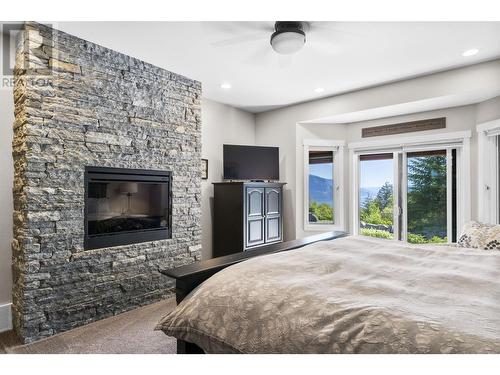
[[348, 295]]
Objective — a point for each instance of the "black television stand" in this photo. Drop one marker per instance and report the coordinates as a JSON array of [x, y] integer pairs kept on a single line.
[[247, 215]]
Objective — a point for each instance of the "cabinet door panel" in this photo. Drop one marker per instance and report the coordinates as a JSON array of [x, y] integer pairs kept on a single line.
[[273, 229], [255, 202], [273, 215], [255, 220], [273, 201], [255, 232]]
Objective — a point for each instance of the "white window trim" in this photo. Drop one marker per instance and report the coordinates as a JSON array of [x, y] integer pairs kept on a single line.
[[487, 180], [459, 140], [417, 142], [337, 146]]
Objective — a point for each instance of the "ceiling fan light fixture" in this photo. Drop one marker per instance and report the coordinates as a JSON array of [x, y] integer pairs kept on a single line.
[[288, 38]]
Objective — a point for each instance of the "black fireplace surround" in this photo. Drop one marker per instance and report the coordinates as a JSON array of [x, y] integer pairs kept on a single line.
[[126, 206]]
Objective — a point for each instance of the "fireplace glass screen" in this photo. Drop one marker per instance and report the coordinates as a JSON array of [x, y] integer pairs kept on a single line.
[[124, 206]]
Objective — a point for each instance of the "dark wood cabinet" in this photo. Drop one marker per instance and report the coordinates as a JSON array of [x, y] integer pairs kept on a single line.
[[246, 215]]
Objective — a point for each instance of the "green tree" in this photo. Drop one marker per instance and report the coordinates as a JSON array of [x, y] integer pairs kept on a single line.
[[384, 195], [426, 200], [323, 211], [379, 210], [371, 213], [427, 195]]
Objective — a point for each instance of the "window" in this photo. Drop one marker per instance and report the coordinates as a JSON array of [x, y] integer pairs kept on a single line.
[[376, 201], [322, 185], [431, 211], [416, 192], [430, 214]]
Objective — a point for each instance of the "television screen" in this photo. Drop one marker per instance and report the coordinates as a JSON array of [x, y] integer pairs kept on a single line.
[[251, 163]]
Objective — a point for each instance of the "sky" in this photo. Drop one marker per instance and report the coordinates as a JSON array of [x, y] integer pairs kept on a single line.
[[321, 170], [374, 173]]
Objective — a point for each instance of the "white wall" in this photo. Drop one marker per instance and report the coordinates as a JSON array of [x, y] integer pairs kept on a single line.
[[488, 110], [6, 177], [274, 129], [220, 124]]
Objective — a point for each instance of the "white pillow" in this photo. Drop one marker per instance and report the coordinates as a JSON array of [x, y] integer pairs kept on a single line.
[[480, 236]]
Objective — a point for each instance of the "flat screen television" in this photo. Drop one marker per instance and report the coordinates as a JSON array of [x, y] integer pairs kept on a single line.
[[251, 163]]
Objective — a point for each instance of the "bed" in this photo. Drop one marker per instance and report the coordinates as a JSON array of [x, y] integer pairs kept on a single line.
[[347, 295]]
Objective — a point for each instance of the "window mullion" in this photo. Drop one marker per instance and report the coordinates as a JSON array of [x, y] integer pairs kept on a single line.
[[395, 197], [496, 181], [306, 186], [355, 172], [449, 195], [335, 213], [404, 196]]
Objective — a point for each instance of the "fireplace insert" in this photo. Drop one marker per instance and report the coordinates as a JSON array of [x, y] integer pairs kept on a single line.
[[125, 206]]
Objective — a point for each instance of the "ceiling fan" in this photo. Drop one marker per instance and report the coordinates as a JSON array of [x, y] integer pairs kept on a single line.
[[282, 39]]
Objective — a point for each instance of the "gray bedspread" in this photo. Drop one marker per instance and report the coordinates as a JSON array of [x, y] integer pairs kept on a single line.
[[349, 295]]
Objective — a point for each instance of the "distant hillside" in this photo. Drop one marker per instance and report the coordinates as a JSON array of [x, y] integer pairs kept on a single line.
[[320, 189], [367, 192]]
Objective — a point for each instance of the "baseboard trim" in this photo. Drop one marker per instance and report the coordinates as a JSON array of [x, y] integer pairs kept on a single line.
[[5, 317]]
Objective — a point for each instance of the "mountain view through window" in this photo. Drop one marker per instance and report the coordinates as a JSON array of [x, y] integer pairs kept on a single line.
[[321, 187], [426, 196]]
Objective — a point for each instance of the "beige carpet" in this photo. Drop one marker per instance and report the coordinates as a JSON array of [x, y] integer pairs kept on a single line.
[[128, 333]]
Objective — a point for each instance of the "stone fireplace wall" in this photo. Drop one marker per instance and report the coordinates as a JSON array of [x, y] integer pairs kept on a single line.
[[79, 104]]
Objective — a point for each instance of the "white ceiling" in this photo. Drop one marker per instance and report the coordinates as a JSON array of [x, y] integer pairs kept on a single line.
[[338, 56]]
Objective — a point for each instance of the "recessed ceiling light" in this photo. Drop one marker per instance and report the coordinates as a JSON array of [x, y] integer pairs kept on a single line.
[[470, 52], [225, 86], [319, 89]]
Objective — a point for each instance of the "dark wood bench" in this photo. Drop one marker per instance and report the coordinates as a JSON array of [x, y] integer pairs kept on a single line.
[[190, 276]]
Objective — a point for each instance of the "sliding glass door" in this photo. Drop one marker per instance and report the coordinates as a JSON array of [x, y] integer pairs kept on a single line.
[[408, 195], [376, 200], [426, 202]]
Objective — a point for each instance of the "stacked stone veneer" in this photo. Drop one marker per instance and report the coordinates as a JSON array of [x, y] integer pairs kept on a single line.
[[79, 104]]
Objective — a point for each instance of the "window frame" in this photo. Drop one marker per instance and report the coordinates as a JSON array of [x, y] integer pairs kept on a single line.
[[449, 189], [401, 146], [488, 172], [337, 147], [395, 186]]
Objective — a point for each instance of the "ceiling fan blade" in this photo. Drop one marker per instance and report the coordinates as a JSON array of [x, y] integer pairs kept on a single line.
[[240, 39], [261, 56]]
